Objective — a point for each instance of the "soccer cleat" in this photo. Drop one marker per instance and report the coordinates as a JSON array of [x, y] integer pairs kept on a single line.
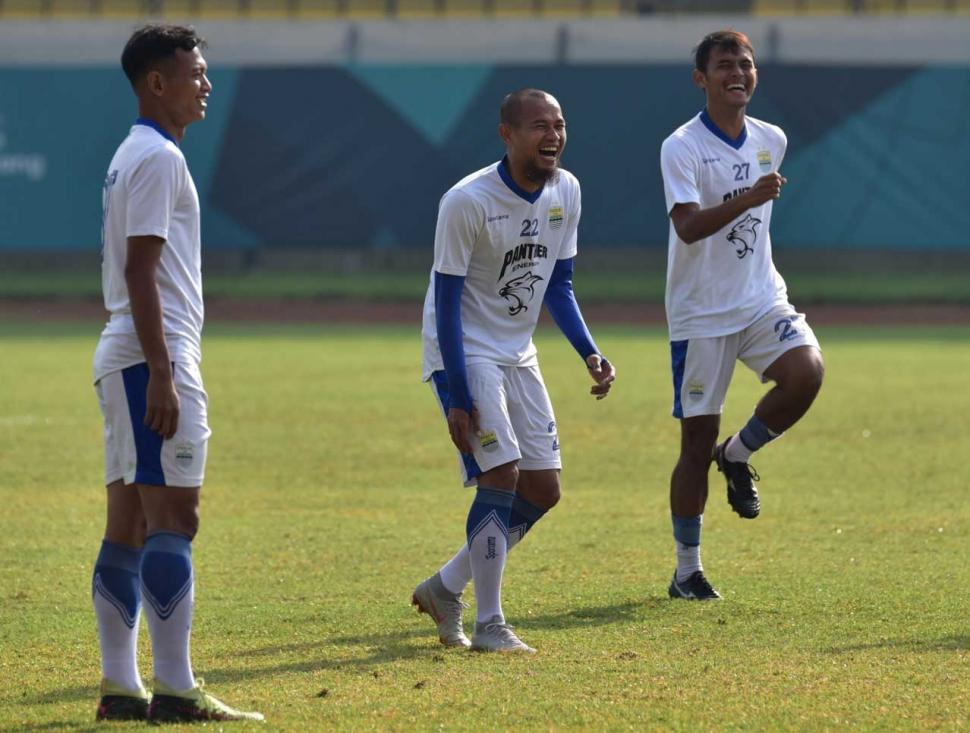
[[431, 597], [117, 703], [172, 706], [695, 588], [497, 636], [742, 494]]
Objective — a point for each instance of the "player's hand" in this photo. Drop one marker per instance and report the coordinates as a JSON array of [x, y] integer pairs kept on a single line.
[[162, 404], [765, 189], [463, 427], [602, 372]]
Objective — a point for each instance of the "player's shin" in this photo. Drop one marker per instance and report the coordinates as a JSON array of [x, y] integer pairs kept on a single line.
[[117, 604], [487, 531], [457, 572], [168, 589]]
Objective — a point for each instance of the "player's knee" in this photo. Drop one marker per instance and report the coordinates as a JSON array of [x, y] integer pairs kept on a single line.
[[807, 379], [505, 476], [697, 445]]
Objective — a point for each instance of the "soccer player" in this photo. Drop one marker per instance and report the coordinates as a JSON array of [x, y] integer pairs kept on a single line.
[[725, 301], [146, 371], [504, 245]]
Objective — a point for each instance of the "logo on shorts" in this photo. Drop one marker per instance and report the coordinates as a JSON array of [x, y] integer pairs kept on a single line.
[[489, 440], [555, 444], [490, 555], [184, 455], [555, 216], [551, 427], [695, 390], [786, 329], [764, 160]]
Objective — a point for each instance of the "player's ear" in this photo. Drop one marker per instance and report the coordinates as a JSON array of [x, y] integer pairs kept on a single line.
[[700, 78], [155, 82], [504, 132]]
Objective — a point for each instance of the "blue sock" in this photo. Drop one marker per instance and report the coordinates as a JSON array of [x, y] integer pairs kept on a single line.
[[756, 434], [524, 514], [687, 535], [167, 585], [116, 579], [116, 593], [489, 504]]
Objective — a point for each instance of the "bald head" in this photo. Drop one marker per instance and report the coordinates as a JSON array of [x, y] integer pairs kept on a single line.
[[513, 104]]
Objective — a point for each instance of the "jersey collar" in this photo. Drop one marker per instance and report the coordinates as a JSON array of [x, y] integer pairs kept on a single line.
[[503, 171], [735, 143], [156, 127]]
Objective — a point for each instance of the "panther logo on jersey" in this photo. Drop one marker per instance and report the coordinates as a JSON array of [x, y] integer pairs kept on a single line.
[[520, 291], [744, 234]]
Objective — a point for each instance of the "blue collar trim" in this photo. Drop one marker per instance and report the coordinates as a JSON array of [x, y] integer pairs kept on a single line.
[[503, 171], [156, 127], [735, 143]]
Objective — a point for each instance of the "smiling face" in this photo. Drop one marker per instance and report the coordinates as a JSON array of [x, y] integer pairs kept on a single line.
[[729, 78], [536, 138], [183, 87]]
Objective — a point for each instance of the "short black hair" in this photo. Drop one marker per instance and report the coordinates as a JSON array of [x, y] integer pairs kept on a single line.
[[153, 43], [511, 111], [726, 40]]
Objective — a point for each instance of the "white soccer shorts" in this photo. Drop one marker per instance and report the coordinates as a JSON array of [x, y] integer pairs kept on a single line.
[[138, 455], [515, 417], [703, 367]]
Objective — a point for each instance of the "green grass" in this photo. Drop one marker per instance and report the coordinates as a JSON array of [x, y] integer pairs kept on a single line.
[[630, 286], [332, 490]]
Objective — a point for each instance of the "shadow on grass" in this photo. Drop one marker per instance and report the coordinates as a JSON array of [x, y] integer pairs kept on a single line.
[[50, 725], [956, 642], [379, 648]]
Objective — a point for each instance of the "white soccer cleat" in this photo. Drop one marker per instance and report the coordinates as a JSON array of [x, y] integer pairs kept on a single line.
[[431, 597], [497, 636]]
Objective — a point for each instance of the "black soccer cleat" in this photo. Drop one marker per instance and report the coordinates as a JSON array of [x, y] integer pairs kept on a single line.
[[742, 494], [122, 707], [694, 588]]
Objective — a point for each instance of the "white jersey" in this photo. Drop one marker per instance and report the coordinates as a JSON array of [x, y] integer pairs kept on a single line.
[[724, 283], [505, 243], [149, 191]]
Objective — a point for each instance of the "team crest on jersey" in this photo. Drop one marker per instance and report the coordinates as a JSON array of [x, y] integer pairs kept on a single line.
[[555, 216], [764, 160], [519, 292], [744, 234], [695, 390]]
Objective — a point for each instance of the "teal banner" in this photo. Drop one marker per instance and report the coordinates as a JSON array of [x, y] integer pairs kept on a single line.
[[358, 157]]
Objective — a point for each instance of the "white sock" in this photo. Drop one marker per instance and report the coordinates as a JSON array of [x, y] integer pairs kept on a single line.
[[119, 644], [688, 560], [457, 572], [488, 551], [736, 451]]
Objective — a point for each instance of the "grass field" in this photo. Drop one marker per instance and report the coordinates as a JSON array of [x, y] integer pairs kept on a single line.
[[634, 285], [331, 491]]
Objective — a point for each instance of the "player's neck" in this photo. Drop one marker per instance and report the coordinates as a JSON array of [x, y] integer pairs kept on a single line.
[[522, 180], [730, 120], [163, 120]]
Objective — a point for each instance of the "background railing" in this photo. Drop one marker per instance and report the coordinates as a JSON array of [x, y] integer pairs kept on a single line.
[[295, 9]]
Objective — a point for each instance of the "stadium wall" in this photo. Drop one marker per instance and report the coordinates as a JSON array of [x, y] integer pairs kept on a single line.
[[355, 150]]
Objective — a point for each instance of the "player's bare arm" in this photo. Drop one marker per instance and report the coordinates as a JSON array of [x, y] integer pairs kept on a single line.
[[603, 373], [162, 402], [694, 223]]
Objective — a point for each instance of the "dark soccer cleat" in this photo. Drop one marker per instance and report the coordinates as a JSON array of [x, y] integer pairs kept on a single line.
[[694, 588], [189, 706], [742, 494], [117, 703]]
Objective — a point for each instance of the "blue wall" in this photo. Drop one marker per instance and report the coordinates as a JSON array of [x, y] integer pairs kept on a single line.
[[359, 156]]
